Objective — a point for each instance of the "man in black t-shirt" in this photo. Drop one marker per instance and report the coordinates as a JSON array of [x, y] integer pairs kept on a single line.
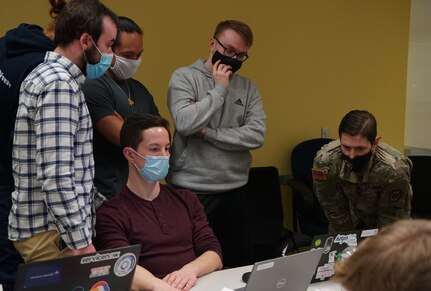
[[112, 98]]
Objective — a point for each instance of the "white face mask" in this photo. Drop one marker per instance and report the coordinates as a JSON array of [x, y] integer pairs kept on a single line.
[[125, 68]]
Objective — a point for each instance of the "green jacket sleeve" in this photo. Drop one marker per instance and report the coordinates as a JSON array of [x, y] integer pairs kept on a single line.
[[330, 195], [395, 201]]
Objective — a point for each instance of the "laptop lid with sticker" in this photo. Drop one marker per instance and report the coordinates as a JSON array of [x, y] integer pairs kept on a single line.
[[106, 270], [336, 247]]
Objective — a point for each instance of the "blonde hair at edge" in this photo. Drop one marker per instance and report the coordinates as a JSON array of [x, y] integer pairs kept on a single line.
[[397, 258]]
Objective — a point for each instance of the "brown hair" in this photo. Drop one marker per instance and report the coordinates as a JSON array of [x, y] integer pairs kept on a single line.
[[359, 122], [239, 27], [56, 7], [397, 258], [78, 17], [131, 134]]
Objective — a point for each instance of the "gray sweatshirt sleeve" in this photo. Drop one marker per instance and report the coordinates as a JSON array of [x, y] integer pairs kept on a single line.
[[189, 112], [195, 103], [249, 135]]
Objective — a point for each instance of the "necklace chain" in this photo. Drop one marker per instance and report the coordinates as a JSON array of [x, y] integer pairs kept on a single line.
[[129, 99]]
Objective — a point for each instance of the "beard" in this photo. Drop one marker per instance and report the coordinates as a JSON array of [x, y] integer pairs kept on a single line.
[[88, 56]]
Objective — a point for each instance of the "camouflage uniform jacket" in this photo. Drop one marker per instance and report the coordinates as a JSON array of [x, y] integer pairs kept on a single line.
[[376, 196]]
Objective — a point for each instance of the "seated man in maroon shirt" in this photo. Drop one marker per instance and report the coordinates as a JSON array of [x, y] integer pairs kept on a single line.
[[177, 244]]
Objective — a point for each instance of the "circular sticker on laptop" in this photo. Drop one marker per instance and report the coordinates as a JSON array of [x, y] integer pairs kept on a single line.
[[125, 264], [100, 286]]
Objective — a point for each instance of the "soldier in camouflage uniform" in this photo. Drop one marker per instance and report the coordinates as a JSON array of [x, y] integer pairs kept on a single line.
[[361, 182]]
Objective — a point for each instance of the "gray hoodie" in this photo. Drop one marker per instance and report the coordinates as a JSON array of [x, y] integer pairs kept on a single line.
[[235, 123]]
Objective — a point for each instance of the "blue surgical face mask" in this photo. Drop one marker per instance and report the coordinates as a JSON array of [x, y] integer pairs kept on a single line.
[[94, 71], [155, 167]]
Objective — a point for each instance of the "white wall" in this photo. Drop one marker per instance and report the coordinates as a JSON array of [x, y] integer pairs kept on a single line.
[[418, 105]]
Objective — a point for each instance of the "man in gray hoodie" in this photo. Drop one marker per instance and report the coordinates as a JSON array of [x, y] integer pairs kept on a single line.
[[219, 118]]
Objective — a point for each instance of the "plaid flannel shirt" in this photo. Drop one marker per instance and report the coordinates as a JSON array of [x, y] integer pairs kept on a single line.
[[52, 157]]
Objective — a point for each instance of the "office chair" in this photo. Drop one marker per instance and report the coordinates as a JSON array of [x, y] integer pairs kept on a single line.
[[421, 185], [269, 238], [308, 215]]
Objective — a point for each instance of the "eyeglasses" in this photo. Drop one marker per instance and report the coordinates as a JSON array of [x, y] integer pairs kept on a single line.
[[231, 53]]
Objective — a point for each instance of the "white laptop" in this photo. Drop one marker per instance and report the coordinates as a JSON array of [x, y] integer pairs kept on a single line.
[[290, 273]]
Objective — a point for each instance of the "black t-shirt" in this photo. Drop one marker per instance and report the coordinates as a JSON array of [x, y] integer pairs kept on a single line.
[[103, 97]]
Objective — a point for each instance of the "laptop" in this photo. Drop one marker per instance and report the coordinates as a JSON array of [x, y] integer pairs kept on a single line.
[[100, 271], [289, 273], [336, 247]]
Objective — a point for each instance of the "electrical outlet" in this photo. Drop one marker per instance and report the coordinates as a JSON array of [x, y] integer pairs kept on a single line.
[[324, 132]]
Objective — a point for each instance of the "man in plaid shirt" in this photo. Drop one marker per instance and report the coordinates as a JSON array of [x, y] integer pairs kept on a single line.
[[54, 201]]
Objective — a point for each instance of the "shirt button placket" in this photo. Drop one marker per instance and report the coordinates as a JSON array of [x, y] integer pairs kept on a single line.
[[160, 217]]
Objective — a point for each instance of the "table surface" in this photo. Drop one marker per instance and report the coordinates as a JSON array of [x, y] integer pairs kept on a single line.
[[231, 278]]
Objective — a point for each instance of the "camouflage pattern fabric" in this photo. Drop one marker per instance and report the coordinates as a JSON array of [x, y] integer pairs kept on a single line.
[[376, 196]]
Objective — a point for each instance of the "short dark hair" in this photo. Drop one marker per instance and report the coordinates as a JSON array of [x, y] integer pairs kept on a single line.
[[359, 122], [135, 124], [78, 17], [240, 27], [125, 25]]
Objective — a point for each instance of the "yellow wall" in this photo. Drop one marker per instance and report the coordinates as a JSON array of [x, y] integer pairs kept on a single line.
[[314, 60]]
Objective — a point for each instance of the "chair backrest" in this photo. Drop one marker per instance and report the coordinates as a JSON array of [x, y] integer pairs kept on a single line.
[[265, 209], [313, 222], [421, 185]]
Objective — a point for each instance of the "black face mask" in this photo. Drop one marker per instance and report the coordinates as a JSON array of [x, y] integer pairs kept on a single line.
[[234, 63], [358, 163]]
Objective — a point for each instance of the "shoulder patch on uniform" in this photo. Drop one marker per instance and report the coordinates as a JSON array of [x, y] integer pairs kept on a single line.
[[398, 163], [395, 196], [318, 174], [333, 145]]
